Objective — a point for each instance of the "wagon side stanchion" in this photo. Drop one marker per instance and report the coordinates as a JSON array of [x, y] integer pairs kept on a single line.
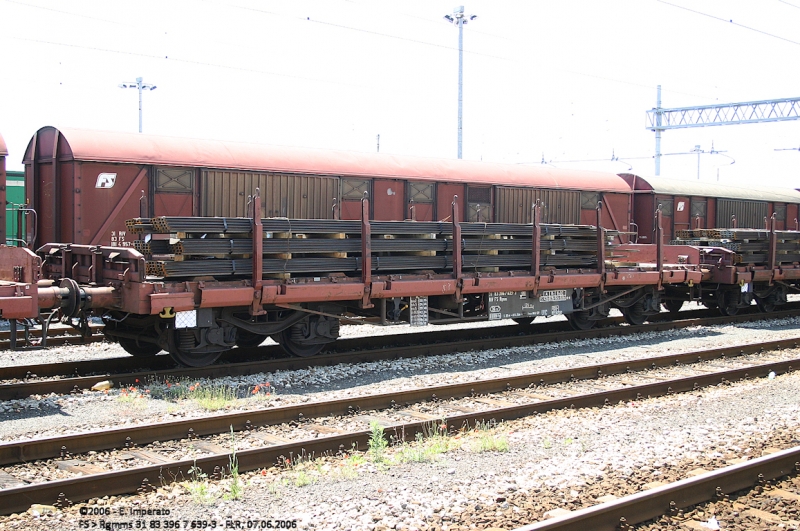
[[773, 248], [258, 257], [366, 253], [459, 280], [659, 248], [536, 248], [601, 247], [143, 213]]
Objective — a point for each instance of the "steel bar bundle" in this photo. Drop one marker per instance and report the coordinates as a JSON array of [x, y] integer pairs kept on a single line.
[[222, 247], [751, 246], [173, 224]]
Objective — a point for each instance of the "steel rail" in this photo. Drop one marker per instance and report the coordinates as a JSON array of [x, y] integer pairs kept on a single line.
[[200, 247], [250, 354], [78, 383], [26, 450], [59, 340], [655, 502], [56, 336], [243, 364], [53, 331], [18, 499], [224, 267]]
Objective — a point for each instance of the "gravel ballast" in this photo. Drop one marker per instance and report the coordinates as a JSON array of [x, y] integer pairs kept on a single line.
[[552, 460]]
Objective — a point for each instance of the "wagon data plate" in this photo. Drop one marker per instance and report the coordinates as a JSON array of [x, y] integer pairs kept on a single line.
[[510, 304], [419, 311]]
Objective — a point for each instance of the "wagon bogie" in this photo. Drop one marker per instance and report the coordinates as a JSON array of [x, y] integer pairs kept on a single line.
[[768, 297], [638, 305]]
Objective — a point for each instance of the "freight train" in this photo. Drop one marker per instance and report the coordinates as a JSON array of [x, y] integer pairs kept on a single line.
[[195, 246]]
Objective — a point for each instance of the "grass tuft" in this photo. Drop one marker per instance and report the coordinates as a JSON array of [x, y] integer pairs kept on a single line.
[[237, 486], [377, 442], [198, 486], [488, 439]]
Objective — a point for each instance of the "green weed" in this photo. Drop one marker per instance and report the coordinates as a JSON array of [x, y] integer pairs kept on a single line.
[[302, 478], [432, 441], [198, 486], [236, 486], [488, 440], [377, 442]]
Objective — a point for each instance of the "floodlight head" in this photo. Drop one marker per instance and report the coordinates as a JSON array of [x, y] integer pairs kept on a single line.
[[123, 85], [473, 17], [448, 18], [151, 87]]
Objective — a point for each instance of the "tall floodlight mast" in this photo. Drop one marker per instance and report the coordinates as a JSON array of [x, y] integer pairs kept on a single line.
[[458, 18], [139, 86]]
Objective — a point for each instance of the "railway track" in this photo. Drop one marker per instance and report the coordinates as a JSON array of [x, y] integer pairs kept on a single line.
[[57, 335], [269, 435], [670, 503], [75, 377], [64, 335]]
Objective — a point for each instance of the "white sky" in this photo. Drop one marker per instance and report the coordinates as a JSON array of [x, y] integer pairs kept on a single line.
[[566, 79]]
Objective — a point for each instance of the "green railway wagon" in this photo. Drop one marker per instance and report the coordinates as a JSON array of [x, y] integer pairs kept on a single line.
[[15, 196]]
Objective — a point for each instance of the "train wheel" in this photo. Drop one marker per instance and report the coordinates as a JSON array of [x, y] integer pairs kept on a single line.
[[245, 339], [522, 320], [765, 305], [634, 314], [580, 320], [195, 359], [297, 349], [139, 349], [672, 305], [726, 302]]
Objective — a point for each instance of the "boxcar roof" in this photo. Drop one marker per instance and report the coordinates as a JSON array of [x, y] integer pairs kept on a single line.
[[137, 148], [661, 185]]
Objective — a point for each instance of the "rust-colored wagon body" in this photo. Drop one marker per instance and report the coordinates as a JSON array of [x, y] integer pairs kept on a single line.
[[195, 246], [85, 184], [693, 205]]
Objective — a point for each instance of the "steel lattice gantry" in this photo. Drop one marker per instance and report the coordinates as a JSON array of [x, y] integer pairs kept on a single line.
[[725, 114], [749, 112]]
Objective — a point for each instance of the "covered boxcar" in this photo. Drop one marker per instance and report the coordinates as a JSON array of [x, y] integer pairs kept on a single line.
[[3, 155], [692, 205], [85, 184], [15, 200]]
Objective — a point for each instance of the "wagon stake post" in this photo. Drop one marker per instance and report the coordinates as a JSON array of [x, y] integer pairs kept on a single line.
[[366, 253], [457, 276], [601, 247], [256, 307], [659, 247], [536, 256], [773, 248]]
